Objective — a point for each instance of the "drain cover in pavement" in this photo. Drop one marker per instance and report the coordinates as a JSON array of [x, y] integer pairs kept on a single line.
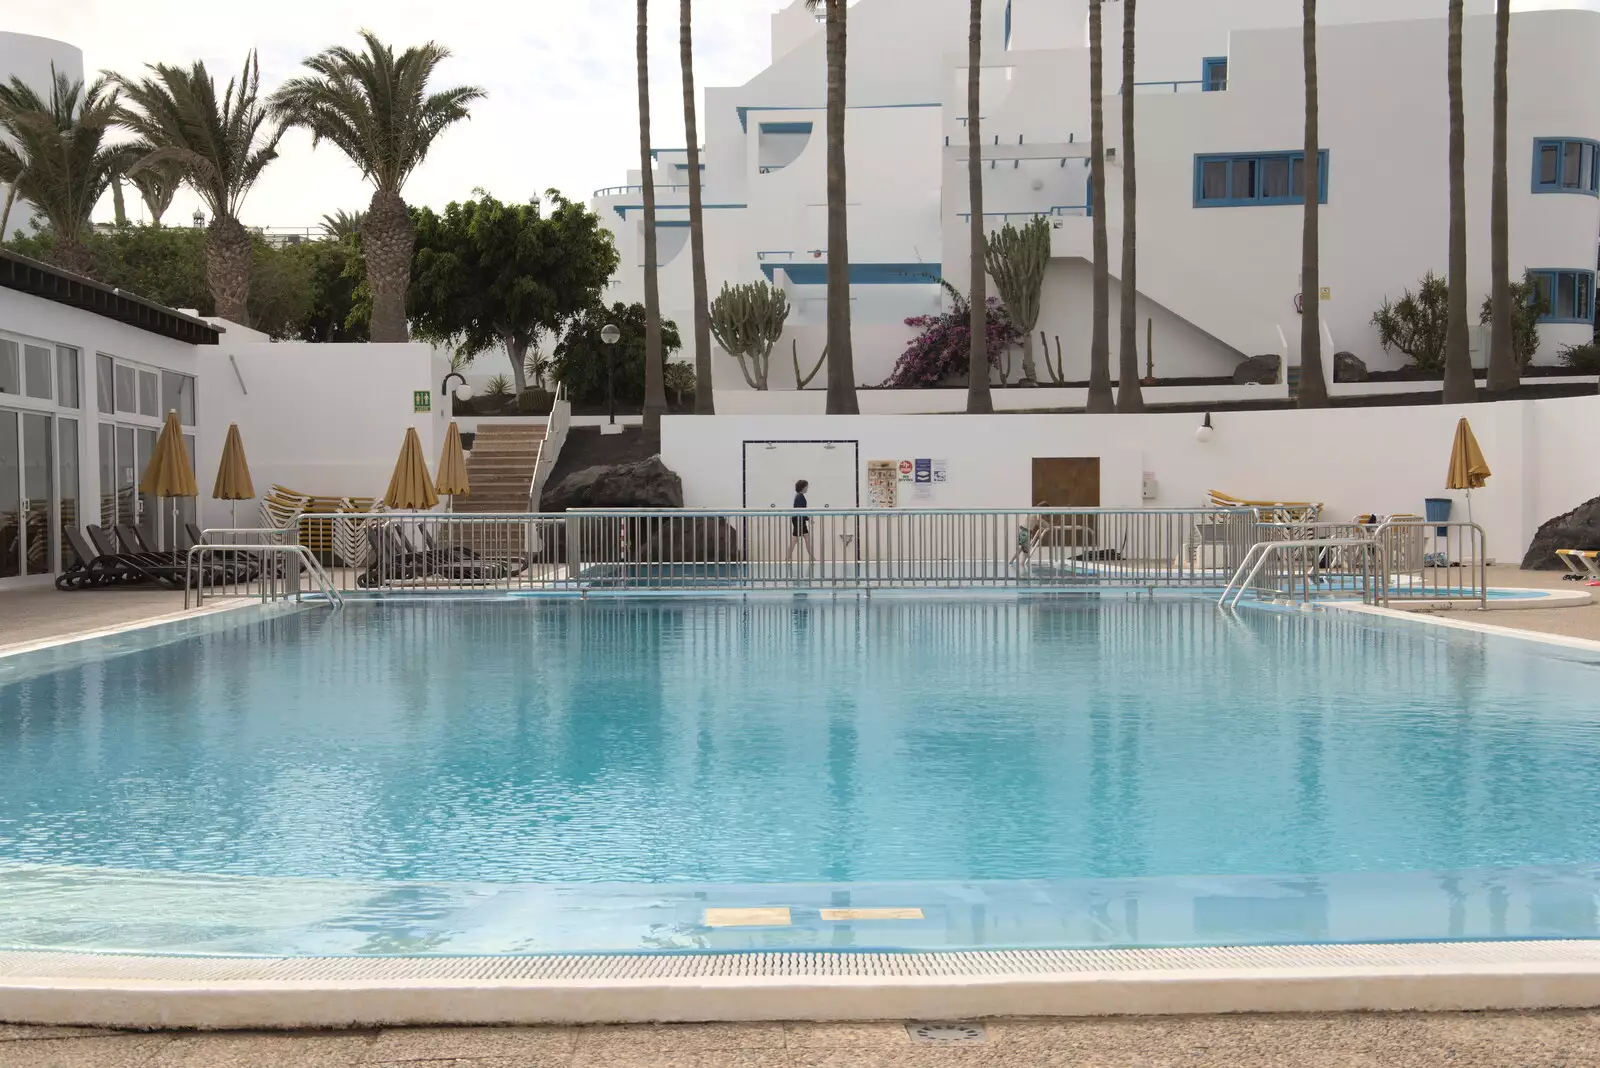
[[940, 1034]]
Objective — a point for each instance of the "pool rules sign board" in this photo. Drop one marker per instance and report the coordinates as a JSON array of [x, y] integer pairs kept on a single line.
[[892, 482]]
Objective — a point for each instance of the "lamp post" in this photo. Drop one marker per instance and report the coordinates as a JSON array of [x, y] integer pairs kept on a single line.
[[463, 392], [610, 335], [199, 219]]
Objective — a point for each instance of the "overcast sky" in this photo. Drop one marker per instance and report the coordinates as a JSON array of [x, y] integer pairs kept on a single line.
[[562, 109]]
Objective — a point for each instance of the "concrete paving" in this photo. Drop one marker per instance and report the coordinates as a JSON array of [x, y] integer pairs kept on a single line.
[[38, 614], [1369, 1040]]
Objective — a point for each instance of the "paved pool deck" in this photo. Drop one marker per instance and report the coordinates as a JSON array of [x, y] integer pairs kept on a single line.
[[1357, 1040]]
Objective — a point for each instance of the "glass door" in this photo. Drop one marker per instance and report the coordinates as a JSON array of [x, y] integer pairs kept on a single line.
[[149, 507], [10, 497], [38, 530], [127, 476], [67, 488]]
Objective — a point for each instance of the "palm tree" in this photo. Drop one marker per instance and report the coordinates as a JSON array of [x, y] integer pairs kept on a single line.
[[1459, 387], [1504, 372], [55, 154], [220, 146], [376, 108], [1100, 341], [1312, 391], [342, 224], [704, 402], [655, 394], [978, 398], [157, 183], [841, 356], [1130, 398]]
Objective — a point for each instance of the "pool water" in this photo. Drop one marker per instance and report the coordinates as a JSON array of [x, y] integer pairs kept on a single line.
[[530, 775]]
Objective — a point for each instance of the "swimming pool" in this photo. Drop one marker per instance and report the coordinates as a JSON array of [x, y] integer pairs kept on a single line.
[[449, 775]]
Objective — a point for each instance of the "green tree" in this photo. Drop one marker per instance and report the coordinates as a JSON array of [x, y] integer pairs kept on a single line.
[[1459, 384], [375, 107], [1100, 399], [1505, 364], [334, 273], [704, 402], [580, 360], [979, 399], [1130, 398], [220, 145], [56, 154], [841, 363], [1312, 391], [157, 184], [655, 394], [489, 275]]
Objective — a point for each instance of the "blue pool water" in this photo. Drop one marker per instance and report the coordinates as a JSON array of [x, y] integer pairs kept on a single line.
[[542, 774]]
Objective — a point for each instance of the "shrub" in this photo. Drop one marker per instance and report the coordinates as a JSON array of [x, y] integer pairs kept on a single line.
[[535, 401], [1584, 359], [499, 388], [579, 361], [679, 379], [1416, 324], [1526, 307], [942, 348]]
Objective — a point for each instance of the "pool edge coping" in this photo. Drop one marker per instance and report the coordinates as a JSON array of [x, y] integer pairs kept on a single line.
[[1419, 976]]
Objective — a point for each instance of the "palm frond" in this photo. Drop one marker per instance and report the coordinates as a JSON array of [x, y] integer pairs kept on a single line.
[[375, 106], [342, 224], [59, 155]]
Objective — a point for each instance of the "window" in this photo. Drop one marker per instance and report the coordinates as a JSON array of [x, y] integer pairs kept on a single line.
[[1567, 296], [10, 367], [1214, 74], [177, 394], [67, 376], [149, 392], [36, 371], [1566, 165], [1256, 178], [104, 375], [127, 389]]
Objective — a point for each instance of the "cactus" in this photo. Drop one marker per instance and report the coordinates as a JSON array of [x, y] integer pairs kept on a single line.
[[799, 381], [1016, 260], [747, 321], [1057, 372]]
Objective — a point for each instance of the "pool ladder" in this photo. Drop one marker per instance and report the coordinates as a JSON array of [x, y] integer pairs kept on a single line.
[[269, 576], [1302, 563]]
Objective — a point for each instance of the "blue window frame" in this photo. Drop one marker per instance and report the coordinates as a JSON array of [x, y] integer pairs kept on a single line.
[[1566, 165], [1214, 74], [1247, 179], [1008, 25], [1567, 295]]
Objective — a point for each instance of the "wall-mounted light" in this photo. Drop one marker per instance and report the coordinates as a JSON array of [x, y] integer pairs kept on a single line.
[[1206, 431], [463, 391]]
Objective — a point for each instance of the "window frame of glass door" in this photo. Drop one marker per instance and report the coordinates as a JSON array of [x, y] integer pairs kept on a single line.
[[33, 562]]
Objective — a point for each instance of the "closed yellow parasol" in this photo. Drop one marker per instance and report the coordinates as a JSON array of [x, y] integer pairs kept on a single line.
[[233, 473], [1468, 469], [169, 473], [410, 487], [452, 480]]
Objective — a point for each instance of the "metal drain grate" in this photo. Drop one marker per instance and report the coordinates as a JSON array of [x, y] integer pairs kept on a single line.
[[946, 1034]]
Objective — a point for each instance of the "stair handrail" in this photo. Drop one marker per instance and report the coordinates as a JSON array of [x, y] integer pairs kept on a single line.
[[1262, 551], [555, 435]]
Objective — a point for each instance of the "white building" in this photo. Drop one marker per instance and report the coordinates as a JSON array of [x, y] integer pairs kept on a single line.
[[1219, 121], [32, 59]]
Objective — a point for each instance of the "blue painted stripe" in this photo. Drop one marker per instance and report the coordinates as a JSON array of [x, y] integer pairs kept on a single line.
[[623, 209], [786, 127], [744, 112], [861, 274]]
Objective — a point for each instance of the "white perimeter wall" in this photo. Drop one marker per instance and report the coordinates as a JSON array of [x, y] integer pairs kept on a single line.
[[1355, 460], [327, 420]]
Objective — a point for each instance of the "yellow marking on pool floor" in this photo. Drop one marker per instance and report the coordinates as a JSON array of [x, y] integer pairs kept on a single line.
[[766, 917], [871, 914]]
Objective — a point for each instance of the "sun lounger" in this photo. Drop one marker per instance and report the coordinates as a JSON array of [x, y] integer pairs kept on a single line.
[[1583, 565], [1271, 511], [94, 569]]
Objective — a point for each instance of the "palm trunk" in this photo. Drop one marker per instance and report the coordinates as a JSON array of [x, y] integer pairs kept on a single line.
[[1313, 389], [978, 397], [1459, 387], [841, 355], [5, 212], [387, 241], [71, 254], [228, 250], [1130, 398], [1505, 372], [1100, 399], [704, 402], [655, 395], [119, 208]]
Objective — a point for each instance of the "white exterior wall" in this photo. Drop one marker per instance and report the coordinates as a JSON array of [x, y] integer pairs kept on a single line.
[[1342, 457], [327, 420], [30, 58], [1218, 283]]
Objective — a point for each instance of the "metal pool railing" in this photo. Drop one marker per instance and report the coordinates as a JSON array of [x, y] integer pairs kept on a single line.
[[599, 551], [272, 571]]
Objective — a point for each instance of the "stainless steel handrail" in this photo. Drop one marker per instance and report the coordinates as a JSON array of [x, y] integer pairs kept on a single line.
[[194, 573], [1262, 552]]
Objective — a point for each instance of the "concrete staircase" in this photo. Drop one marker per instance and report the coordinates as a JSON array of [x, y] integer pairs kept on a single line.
[[500, 467]]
